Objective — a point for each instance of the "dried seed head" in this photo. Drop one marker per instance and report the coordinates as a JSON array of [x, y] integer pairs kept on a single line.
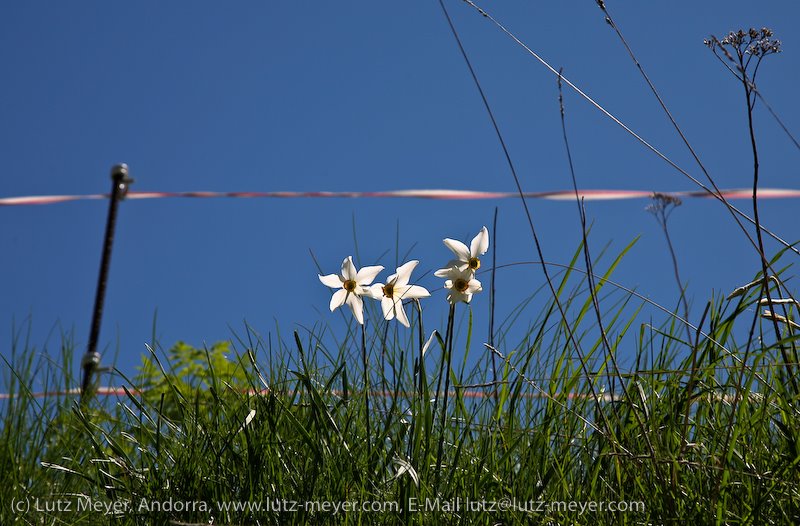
[[756, 42], [662, 202]]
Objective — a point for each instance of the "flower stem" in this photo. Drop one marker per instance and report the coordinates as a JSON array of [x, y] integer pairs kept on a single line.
[[419, 369], [419, 378], [446, 360], [366, 389], [492, 301], [748, 84]]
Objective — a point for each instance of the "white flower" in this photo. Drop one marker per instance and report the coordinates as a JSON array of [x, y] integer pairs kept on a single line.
[[461, 283], [466, 258], [396, 290], [352, 284]]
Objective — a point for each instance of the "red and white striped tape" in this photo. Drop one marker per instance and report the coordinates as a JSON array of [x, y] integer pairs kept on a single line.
[[558, 195]]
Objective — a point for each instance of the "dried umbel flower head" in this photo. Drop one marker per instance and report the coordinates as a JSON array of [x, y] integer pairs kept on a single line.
[[754, 42], [762, 43], [662, 203], [741, 53], [734, 39]]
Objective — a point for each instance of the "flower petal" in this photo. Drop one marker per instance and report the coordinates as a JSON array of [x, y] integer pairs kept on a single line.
[[338, 299], [357, 305], [442, 273], [375, 291], [401, 314], [480, 243], [453, 264], [331, 280], [404, 272], [348, 269], [387, 305], [474, 286], [412, 292], [459, 249], [453, 297], [367, 275]]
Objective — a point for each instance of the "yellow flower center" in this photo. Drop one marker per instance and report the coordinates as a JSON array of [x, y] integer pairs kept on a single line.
[[461, 285], [474, 263], [388, 290], [349, 285]]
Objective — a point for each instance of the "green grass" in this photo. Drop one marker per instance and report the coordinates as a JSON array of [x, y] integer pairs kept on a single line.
[[697, 432]]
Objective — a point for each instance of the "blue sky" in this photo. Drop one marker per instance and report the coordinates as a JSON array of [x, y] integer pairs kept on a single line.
[[361, 95]]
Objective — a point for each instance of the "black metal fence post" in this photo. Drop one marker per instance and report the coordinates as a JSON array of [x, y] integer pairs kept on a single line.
[[119, 189]]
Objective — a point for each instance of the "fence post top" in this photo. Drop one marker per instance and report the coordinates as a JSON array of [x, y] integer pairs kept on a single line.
[[119, 170]]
